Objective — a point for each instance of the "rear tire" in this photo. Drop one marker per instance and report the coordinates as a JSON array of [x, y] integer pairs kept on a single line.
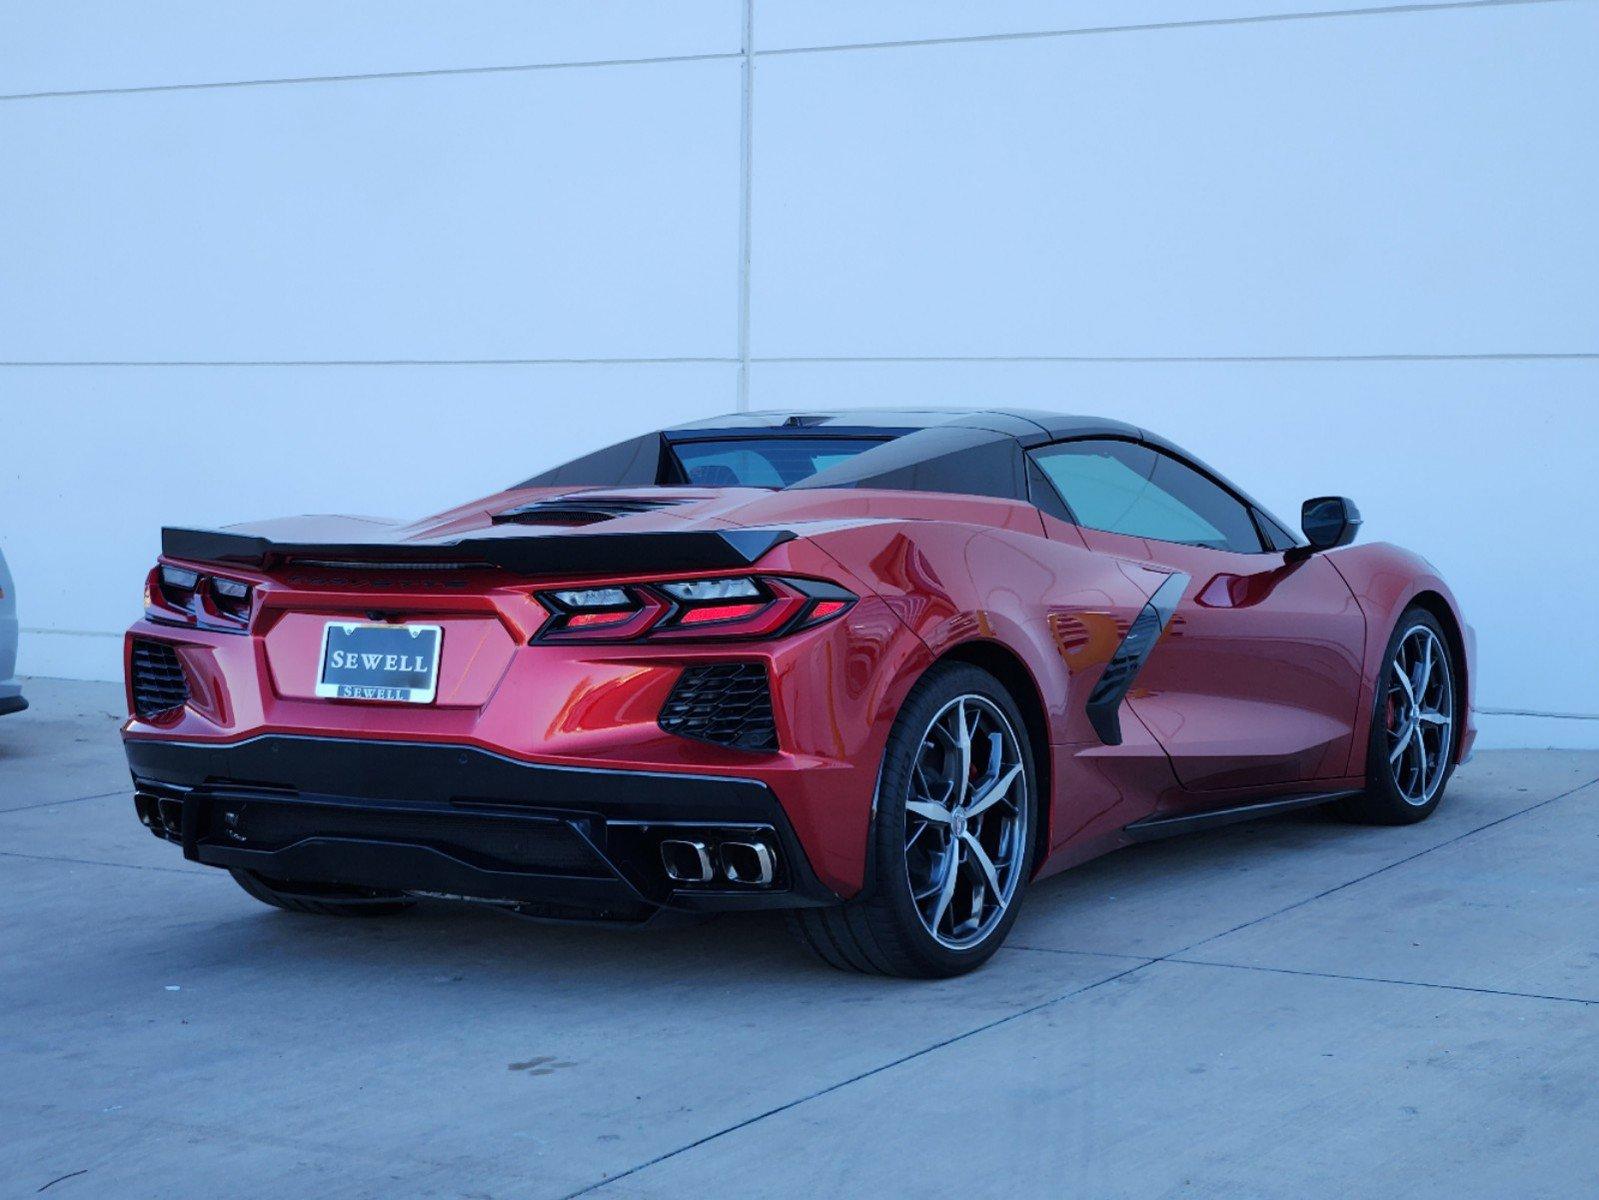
[[1415, 723], [950, 825], [322, 899]]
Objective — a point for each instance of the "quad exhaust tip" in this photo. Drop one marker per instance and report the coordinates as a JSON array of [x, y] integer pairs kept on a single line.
[[161, 815], [748, 864], [686, 861]]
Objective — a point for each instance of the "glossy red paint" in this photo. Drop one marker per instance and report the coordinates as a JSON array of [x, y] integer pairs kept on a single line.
[[1385, 580], [1261, 684]]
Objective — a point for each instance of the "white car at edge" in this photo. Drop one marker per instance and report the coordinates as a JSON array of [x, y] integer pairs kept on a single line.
[[10, 690]]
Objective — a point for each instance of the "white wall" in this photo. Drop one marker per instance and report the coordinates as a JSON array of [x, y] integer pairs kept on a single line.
[[1331, 250]]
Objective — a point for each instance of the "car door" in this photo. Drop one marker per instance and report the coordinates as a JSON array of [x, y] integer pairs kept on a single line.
[[1256, 680]]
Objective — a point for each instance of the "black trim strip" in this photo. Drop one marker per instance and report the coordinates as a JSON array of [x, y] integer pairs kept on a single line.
[[1104, 702], [605, 806], [1151, 828], [537, 554]]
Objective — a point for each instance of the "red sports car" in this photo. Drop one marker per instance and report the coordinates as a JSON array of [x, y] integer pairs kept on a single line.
[[880, 669]]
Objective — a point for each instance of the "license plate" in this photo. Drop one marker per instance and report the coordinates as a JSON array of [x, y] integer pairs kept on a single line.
[[379, 662]]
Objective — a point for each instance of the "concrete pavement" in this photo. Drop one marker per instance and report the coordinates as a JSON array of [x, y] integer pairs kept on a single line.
[[1294, 1008]]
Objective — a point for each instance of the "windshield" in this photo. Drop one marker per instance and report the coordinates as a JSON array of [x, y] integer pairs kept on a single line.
[[774, 462]]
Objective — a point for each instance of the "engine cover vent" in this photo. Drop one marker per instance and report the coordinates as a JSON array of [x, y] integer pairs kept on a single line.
[[582, 509]]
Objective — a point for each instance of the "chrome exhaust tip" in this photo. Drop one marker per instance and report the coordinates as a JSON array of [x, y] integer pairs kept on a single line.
[[149, 814], [686, 861], [748, 863]]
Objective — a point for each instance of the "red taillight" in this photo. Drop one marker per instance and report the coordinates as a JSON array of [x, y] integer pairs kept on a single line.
[[741, 607], [717, 612], [601, 614], [181, 596], [583, 620]]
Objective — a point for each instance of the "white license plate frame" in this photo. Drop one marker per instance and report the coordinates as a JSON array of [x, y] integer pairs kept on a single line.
[[402, 686]]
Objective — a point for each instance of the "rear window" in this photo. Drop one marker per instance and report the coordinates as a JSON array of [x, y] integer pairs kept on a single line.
[[764, 462]]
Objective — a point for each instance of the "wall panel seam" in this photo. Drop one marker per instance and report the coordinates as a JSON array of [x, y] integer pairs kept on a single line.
[[363, 77], [741, 54], [1380, 10], [817, 359]]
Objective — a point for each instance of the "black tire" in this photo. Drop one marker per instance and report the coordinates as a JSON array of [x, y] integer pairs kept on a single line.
[[322, 899], [880, 931], [1384, 802]]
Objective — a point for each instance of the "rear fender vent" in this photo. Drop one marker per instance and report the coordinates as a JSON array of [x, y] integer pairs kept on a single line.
[[580, 509], [157, 679], [729, 704]]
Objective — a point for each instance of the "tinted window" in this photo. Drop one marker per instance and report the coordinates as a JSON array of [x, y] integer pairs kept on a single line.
[[763, 462], [1122, 487]]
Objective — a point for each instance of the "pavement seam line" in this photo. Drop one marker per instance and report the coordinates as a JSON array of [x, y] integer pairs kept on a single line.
[[1415, 983], [1143, 958], [1143, 964], [1409, 858], [73, 800], [99, 862], [856, 1078]]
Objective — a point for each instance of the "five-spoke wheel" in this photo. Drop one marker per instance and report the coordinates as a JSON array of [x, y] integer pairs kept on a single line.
[[952, 844], [965, 821], [1414, 725], [1419, 714]]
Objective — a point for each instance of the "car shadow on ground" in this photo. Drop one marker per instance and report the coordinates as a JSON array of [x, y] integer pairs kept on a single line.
[[443, 942]]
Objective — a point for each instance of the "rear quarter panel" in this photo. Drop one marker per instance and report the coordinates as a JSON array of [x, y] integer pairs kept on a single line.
[[972, 576]]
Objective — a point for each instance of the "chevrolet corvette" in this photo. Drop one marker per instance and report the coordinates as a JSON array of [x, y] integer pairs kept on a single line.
[[882, 670]]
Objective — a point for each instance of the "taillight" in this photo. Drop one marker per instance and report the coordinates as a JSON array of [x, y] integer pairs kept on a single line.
[[740, 607], [605, 613], [180, 596]]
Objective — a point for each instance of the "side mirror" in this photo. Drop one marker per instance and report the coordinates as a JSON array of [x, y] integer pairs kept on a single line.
[[1329, 522]]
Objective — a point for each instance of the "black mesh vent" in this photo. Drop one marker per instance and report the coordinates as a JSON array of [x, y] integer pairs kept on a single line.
[[496, 842], [580, 509], [158, 685], [728, 703]]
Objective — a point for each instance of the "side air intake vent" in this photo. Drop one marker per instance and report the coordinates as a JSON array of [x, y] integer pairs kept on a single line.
[[581, 510], [158, 684], [728, 703]]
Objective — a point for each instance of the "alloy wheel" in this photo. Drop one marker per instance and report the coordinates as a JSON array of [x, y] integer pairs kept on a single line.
[[966, 819], [1419, 715]]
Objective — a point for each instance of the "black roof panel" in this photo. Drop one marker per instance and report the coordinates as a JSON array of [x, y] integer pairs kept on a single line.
[[1031, 426]]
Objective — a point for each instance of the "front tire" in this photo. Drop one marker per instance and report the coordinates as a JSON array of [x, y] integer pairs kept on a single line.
[[952, 845], [1414, 726], [321, 899]]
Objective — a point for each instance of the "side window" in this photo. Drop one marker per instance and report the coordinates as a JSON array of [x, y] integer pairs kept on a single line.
[[1277, 537], [1124, 487]]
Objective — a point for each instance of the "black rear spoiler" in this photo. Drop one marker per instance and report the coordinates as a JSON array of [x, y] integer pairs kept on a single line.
[[537, 554]]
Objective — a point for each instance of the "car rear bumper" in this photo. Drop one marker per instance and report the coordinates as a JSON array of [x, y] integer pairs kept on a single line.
[[463, 822], [11, 700]]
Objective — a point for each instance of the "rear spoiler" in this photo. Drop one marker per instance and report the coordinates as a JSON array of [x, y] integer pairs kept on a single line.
[[535, 554]]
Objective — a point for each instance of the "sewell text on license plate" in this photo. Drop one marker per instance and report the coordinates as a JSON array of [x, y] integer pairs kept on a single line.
[[362, 661]]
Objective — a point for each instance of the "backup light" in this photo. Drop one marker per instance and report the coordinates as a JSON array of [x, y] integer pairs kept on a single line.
[[178, 584], [605, 597], [181, 596], [711, 589]]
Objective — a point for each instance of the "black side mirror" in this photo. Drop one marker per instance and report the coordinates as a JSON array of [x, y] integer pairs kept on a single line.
[[1329, 522]]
